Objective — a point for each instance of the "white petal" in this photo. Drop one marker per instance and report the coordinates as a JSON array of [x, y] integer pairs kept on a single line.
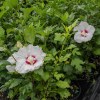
[[76, 28], [81, 26], [43, 55], [38, 64], [30, 49], [36, 51], [88, 37], [10, 68], [19, 66], [13, 58], [77, 37], [91, 29], [22, 53], [22, 67], [33, 50]]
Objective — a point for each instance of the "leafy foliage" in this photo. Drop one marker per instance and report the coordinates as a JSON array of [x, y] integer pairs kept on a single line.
[[49, 24]]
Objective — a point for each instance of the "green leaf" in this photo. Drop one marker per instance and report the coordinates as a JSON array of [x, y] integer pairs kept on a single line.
[[64, 17], [11, 84], [71, 46], [10, 3], [29, 34], [72, 26], [97, 33], [48, 30], [98, 40], [76, 51], [64, 58], [27, 12], [77, 63], [49, 57], [27, 88], [97, 51], [33, 97], [71, 17], [46, 76], [69, 28], [2, 13], [43, 99], [64, 93], [59, 37], [58, 75], [6, 85], [3, 64], [63, 84], [22, 97], [68, 69], [3, 49], [15, 82], [39, 72], [2, 36], [11, 94]]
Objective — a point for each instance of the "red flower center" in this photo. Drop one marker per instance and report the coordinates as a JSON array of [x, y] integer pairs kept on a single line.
[[31, 60], [84, 33]]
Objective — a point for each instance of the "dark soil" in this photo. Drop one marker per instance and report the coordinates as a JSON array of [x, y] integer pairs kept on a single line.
[[3, 96]]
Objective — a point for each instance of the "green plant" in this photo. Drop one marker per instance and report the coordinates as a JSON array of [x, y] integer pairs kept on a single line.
[[49, 24]]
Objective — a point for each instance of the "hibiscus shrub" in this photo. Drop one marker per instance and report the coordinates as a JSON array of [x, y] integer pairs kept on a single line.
[[45, 44]]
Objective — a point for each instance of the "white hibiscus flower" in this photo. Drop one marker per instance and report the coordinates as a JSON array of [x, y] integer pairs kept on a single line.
[[26, 59], [84, 32]]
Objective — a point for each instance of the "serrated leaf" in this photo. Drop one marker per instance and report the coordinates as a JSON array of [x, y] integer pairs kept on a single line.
[[64, 93], [14, 83], [49, 57], [77, 63], [48, 30], [76, 51], [64, 17], [26, 12], [59, 37], [71, 46], [63, 84], [69, 28], [39, 72], [72, 26], [64, 58], [58, 75], [26, 88], [29, 34], [11, 84]]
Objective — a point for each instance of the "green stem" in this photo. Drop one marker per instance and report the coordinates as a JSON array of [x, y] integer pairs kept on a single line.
[[61, 50]]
